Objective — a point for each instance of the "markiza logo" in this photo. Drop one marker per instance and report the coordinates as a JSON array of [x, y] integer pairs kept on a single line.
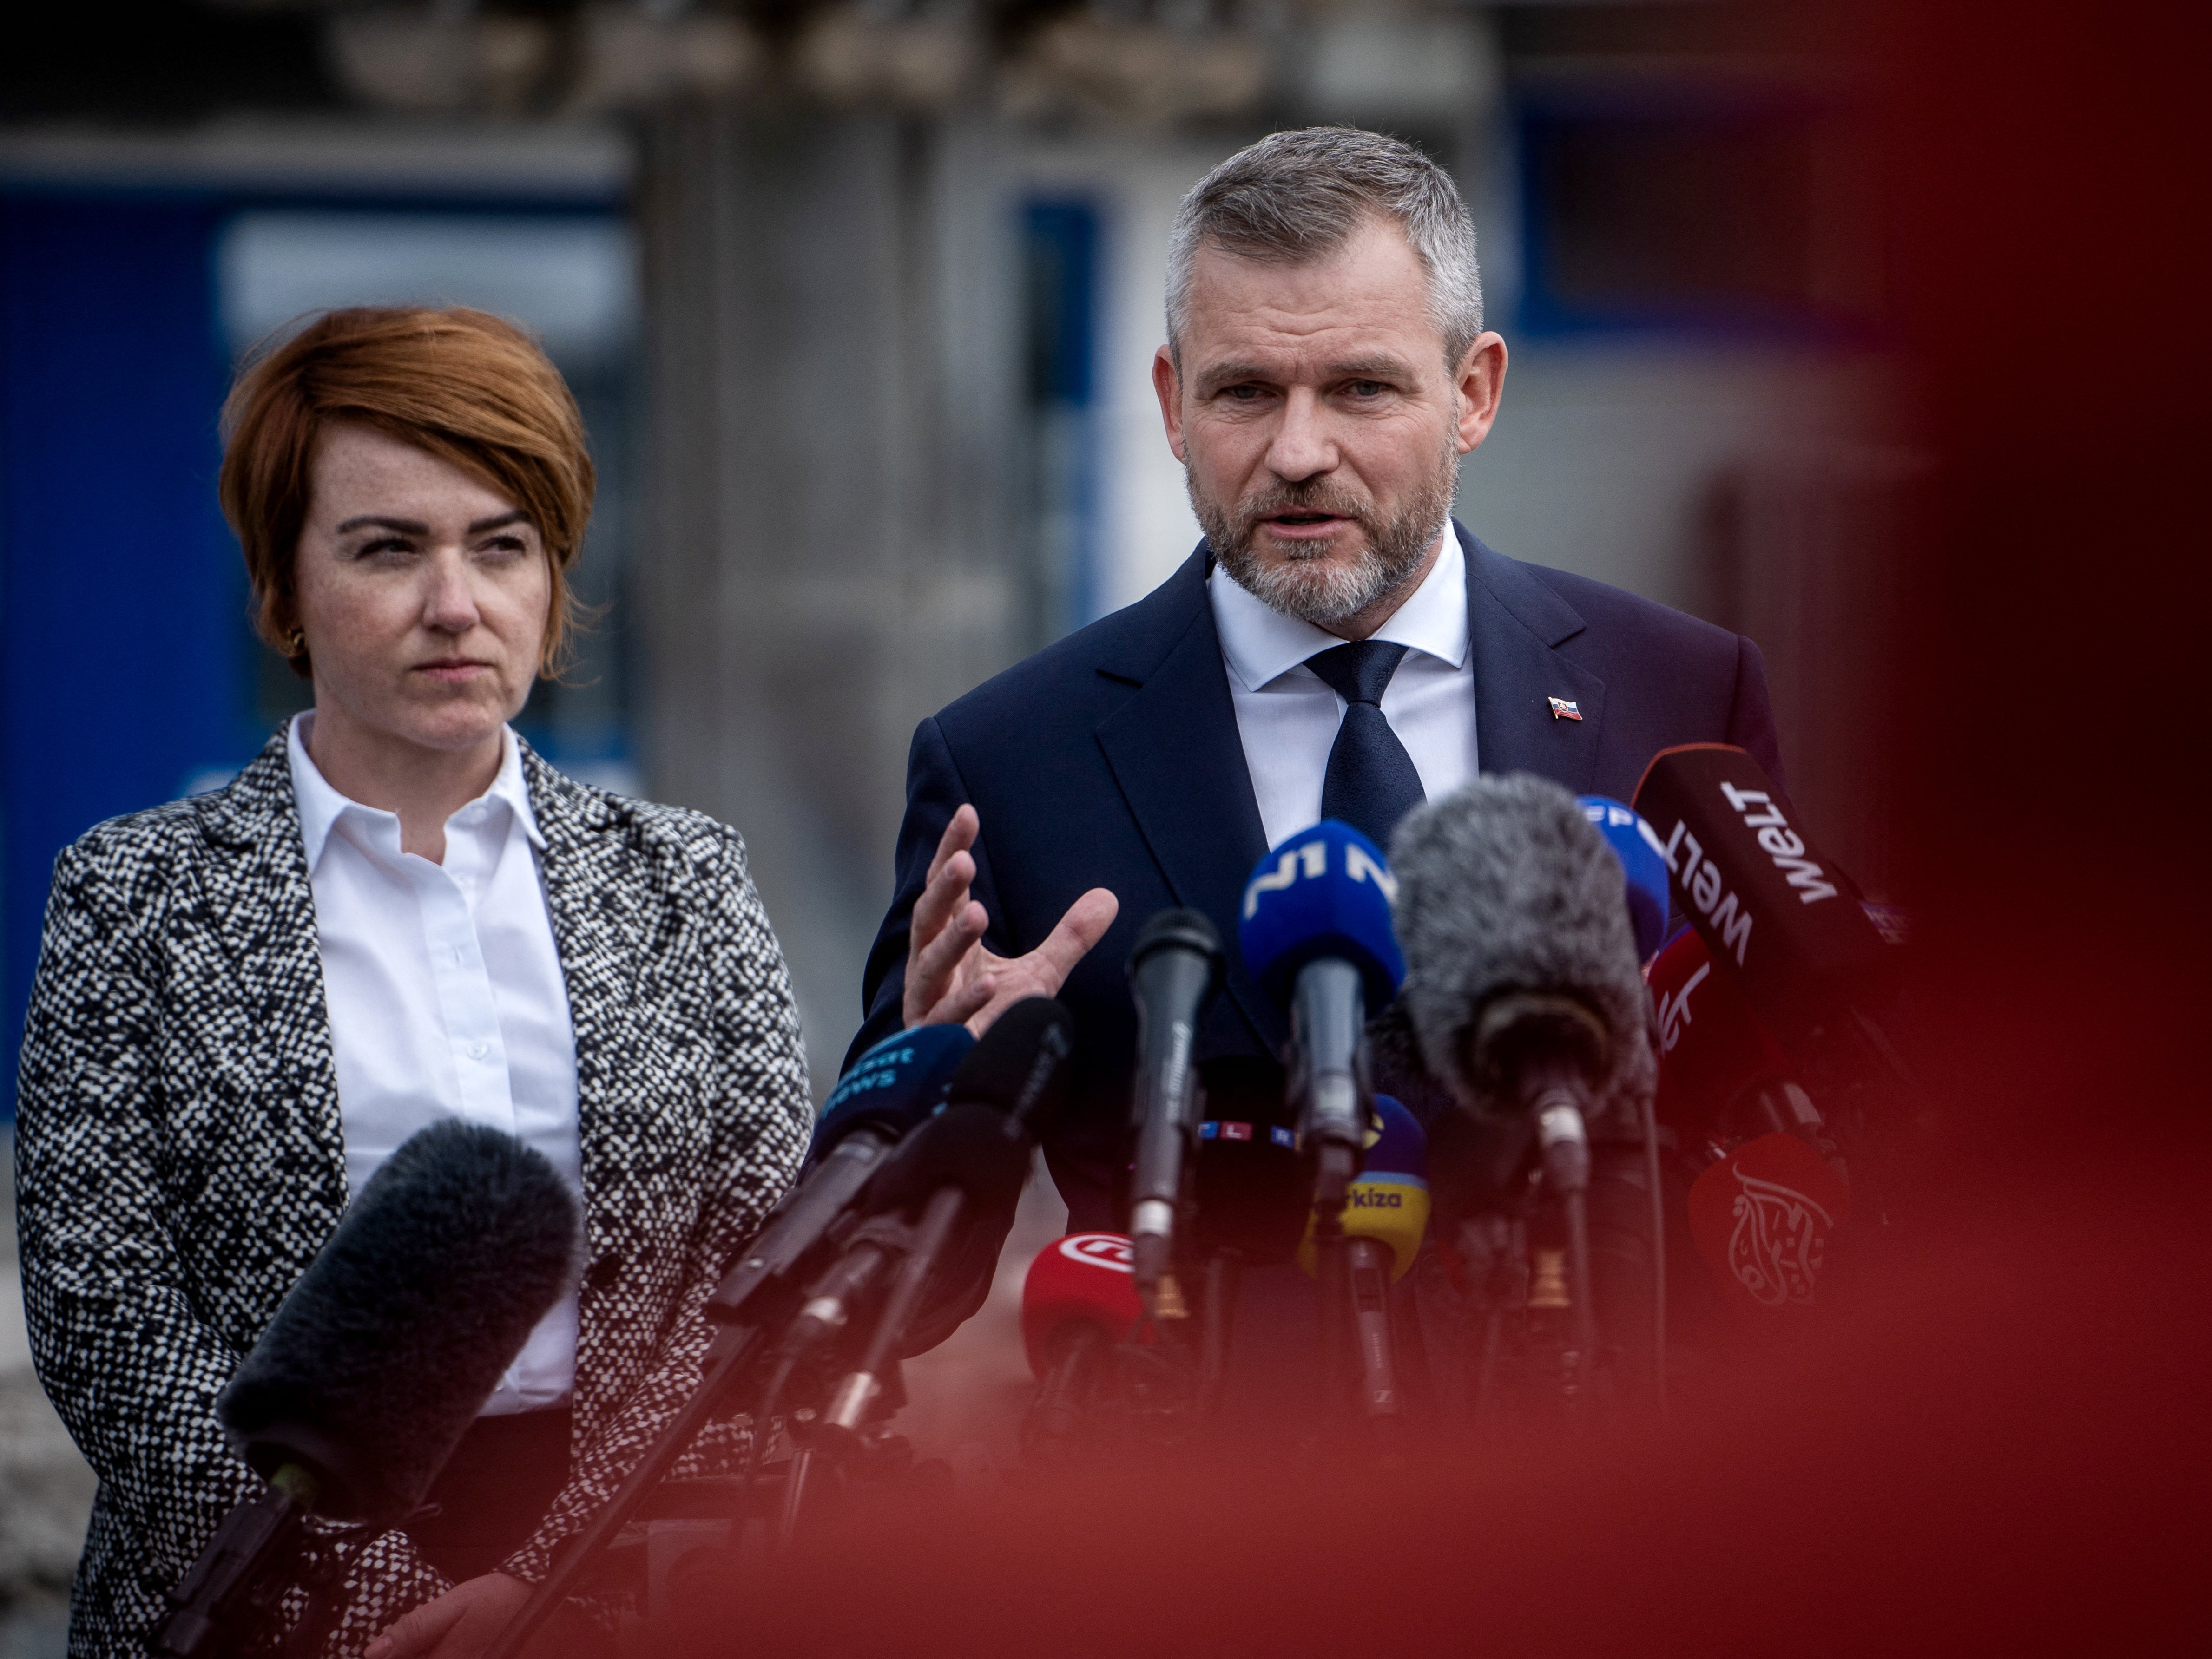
[[1363, 1196], [1310, 862], [1779, 1242], [1674, 1011], [1110, 1251]]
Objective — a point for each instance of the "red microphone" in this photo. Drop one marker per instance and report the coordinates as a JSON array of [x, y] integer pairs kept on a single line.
[[1079, 1299], [1761, 1218], [1772, 1189], [1714, 1054]]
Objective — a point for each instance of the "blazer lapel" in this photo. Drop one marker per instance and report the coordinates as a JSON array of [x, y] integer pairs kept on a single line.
[[1175, 752], [261, 908], [594, 909], [1514, 623]]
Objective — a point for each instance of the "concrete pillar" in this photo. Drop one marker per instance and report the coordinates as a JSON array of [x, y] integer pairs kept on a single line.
[[831, 478]]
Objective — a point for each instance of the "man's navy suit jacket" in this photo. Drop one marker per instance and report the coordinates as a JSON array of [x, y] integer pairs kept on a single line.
[[1112, 759]]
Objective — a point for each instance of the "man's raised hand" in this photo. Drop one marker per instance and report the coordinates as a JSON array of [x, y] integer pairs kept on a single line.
[[950, 977]]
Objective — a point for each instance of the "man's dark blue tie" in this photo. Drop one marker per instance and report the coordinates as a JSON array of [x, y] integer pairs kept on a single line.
[[1370, 783]]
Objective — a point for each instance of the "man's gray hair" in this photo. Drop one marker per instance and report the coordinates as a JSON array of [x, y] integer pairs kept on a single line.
[[1299, 195]]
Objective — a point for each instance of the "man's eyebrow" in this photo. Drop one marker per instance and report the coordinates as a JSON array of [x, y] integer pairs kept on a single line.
[[1369, 368], [1228, 374], [1380, 367]]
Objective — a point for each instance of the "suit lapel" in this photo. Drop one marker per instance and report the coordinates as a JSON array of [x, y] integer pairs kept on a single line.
[[1514, 622], [1175, 752]]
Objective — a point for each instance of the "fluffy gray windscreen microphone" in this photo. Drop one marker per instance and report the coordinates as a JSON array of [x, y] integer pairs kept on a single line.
[[1512, 914], [382, 1354]]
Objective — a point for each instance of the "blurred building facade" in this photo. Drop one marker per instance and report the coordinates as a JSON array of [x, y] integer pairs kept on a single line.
[[860, 301]]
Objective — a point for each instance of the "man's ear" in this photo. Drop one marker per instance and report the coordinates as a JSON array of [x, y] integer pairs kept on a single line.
[[1169, 386], [1481, 386]]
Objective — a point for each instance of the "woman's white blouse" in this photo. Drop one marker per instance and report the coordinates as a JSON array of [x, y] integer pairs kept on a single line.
[[446, 997]]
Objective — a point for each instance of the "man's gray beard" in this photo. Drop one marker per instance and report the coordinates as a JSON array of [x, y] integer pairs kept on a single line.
[[1313, 587]]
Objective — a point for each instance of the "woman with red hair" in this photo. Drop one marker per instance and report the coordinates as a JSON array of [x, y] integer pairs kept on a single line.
[[397, 914]]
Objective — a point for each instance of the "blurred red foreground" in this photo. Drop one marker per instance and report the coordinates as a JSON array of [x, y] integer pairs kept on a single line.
[[2005, 1448]]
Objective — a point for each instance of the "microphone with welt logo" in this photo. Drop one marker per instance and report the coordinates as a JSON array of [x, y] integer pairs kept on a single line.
[[374, 1365], [1773, 909]]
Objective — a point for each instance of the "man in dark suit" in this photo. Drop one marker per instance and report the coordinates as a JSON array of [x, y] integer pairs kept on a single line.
[[1337, 646]]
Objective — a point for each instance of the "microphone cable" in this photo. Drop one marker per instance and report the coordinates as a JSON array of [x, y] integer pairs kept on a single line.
[[1658, 1258]]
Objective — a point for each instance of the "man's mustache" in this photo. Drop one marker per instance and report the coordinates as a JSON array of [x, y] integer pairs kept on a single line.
[[1302, 498]]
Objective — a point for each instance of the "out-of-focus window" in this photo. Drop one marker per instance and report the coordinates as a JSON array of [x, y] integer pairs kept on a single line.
[[1703, 213], [569, 277]]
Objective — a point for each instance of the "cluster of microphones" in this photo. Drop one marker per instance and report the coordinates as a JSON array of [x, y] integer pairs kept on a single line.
[[1507, 1081]]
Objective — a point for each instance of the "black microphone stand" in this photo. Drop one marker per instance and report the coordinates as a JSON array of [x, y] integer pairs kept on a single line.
[[731, 1351], [841, 1433]]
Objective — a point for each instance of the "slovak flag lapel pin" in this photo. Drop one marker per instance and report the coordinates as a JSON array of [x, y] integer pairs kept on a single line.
[[1562, 710]]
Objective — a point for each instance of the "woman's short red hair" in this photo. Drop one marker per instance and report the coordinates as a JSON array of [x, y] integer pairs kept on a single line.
[[469, 388]]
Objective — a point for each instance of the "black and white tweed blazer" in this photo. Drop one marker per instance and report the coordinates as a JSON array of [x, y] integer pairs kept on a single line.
[[179, 1159]]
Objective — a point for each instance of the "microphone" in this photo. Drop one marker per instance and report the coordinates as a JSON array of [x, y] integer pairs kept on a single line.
[[890, 1097], [1761, 1218], [943, 1204], [381, 1356], [1774, 911], [376, 1363], [1174, 969], [1387, 1207], [1315, 932], [1253, 1197], [1523, 986], [1775, 1188], [894, 1086], [1253, 1202], [1721, 1075], [1385, 1214], [1643, 861], [886, 1093], [1079, 1300]]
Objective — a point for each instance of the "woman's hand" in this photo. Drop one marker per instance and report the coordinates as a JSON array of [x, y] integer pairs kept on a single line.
[[950, 977], [459, 1625]]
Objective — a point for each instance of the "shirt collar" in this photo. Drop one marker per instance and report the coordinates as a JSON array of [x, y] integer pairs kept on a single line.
[[320, 805], [1262, 645]]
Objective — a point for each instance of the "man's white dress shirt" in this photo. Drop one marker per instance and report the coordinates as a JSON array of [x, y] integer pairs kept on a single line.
[[1287, 716], [446, 998]]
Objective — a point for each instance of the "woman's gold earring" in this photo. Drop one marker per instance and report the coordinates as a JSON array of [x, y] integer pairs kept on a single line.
[[295, 642]]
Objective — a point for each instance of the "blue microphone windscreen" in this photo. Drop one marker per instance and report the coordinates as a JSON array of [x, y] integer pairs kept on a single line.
[[1643, 860], [1401, 1148], [897, 1083], [1326, 891]]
